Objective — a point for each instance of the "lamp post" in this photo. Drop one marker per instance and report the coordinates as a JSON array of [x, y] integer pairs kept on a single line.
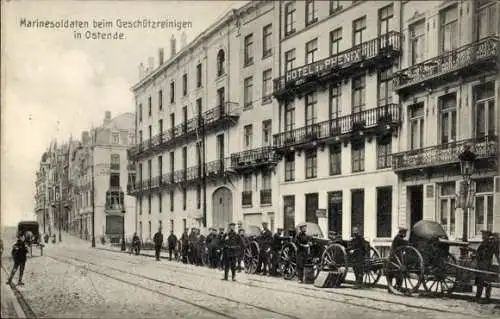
[[123, 248], [467, 158], [93, 203]]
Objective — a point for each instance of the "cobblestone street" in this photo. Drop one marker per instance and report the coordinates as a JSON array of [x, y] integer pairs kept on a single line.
[[73, 280]]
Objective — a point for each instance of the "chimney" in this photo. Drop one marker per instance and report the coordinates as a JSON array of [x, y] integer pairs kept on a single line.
[[85, 137], [183, 39], [151, 62], [141, 71], [173, 50], [107, 117], [160, 56]]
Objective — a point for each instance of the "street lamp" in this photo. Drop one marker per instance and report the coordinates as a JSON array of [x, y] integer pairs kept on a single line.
[[123, 248], [467, 158]]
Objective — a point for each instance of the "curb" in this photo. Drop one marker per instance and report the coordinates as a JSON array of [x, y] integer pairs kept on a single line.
[[12, 297]]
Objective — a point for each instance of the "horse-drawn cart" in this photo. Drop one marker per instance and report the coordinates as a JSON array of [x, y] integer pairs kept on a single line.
[[251, 256], [31, 233]]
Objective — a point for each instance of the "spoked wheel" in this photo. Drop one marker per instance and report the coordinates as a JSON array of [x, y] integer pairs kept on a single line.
[[443, 277], [251, 257], [334, 258], [288, 261], [373, 268], [405, 270]]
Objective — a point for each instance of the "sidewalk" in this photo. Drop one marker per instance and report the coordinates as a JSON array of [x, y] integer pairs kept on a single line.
[[10, 307]]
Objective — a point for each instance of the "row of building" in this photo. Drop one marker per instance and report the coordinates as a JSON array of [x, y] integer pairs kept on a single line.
[[342, 113]]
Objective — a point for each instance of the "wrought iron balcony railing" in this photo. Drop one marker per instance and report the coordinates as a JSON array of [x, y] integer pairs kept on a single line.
[[266, 196], [365, 52], [255, 157], [382, 115], [464, 57], [483, 147], [246, 198]]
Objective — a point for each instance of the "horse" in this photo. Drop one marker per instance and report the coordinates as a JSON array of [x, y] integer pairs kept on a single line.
[[29, 239]]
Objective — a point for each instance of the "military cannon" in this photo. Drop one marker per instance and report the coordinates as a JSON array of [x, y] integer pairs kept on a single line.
[[251, 255]]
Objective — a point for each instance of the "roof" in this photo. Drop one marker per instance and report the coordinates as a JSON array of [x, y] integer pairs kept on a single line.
[[124, 121]]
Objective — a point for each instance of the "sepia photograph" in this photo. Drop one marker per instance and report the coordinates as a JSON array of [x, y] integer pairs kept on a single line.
[[250, 159]]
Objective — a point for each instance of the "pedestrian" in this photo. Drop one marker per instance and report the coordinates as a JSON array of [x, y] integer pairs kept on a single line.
[[399, 241], [172, 242], [185, 246], [265, 241], [232, 245], [158, 241], [191, 245], [357, 256], [303, 245], [212, 244], [485, 252], [275, 251], [136, 244], [19, 252]]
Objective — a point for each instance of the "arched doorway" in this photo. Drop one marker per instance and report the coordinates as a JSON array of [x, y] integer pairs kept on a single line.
[[222, 207]]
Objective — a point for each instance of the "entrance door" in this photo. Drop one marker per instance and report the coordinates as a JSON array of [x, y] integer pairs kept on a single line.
[[416, 201], [222, 206], [335, 212]]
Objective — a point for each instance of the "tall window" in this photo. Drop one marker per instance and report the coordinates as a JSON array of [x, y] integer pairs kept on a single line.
[[248, 136], [267, 41], [416, 116], [289, 18], [160, 203], [483, 205], [184, 199], [140, 205], [447, 207], [311, 164], [248, 92], [385, 16], [448, 29], [417, 42], [335, 101], [172, 92], [310, 109], [289, 116], [140, 112], [267, 86], [172, 225], [149, 229], [160, 165], [199, 107], [221, 58], [384, 211], [385, 87], [311, 207], [140, 230], [289, 167], [115, 138], [289, 212], [198, 196], [335, 159], [150, 106], [289, 60], [311, 50], [198, 75], [311, 14], [171, 201], [172, 162], [384, 150], [246, 196], [266, 132], [160, 100], [172, 121], [448, 113], [184, 158], [185, 118], [184, 84], [249, 49], [358, 156], [160, 126], [358, 28], [486, 18], [266, 180], [358, 209], [335, 6], [484, 109], [149, 204], [358, 94], [335, 38], [150, 132]]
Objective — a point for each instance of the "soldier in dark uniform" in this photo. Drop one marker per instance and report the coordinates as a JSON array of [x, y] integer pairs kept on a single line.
[[485, 252], [185, 246], [241, 233], [220, 249], [303, 245], [158, 241], [232, 245], [275, 251], [357, 255], [192, 242], [265, 241], [399, 241], [172, 242], [200, 242], [212, 244]]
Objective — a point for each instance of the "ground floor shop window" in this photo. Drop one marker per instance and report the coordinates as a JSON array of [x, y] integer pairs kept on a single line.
[[447, 206], [357, 209], [482, 214], [289, 212], [311, 207], [384, 211]]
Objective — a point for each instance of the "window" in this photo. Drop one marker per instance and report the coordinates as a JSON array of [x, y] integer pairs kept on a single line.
[[172, 92], [248, 92], [171, 201], [160, 165], [150, 170], [335, 38], [172, 162], [249, 49], [335, 159], [131, 138], [266, 132], [311, 49], [160, 126], [150, 106], [385, 16], [358, 156], [246, 196], [160, 203], [140, 137], [311, 14], [248, 136], [335, 101], [358, 27], [184, 199], [140, 229], [384, 211], [184, 158], [335, 6], [289, 19], [289, 212], [335, 211], [184, 84], [267, 86], [448, 113], [172, 120], [185, 118], [311, 207], [447, 207], [221, 58], [140, 112], [311, 164], [247, 182], [358, 94], [114, 180], [160, 100], [417, 42], [358, 209], [266, 180], [416, 115], [384, 150], [115, 138], [483, 206], [289, 167], [289, 116], [289, 60], [149, 229], [198, 75], [199, 108], [385, 87], [310, 109], [267, 41], [160, 224], [149, 204], [198, 196], [115, 162], [486, 18], [484, 109], [150, 132], [448, 29]]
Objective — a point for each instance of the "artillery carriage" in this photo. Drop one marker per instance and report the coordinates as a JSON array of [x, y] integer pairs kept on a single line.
[[251, 256]]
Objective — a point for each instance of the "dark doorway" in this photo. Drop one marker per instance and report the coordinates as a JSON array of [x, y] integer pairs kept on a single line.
[[311, 207], [358, 209], [335, 212], [415, 199]]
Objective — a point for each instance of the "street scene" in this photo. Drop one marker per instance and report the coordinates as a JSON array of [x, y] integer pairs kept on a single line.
[[251, 159]]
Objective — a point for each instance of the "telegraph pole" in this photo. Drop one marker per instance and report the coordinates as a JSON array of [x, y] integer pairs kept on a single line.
[[93, 201], [204, 172]]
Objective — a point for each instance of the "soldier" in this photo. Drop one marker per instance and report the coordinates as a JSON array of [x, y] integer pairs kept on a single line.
[[19, 252], [265, 241], [191, 245], [275, 251], [220, 249], [232, 245], [303, 246], [357, 255], [244, 239], [158, 241], [172, 242], [485, 252], [212, 244], [185, 246], [398, 241]]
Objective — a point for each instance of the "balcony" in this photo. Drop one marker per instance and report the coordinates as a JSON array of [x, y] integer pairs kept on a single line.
[[371, 54], [216, 118], [266, 196], [253, 159], [471, 59], [372, 122], [445, 154], [246, 198]]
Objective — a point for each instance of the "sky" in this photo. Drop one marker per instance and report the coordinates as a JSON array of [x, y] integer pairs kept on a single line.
[[55, 86]]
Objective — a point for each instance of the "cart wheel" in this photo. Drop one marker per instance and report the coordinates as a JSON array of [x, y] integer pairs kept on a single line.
[[405, 270], [373, 268], [335, 258], [288, 261], [251, 257], [442, 278]]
